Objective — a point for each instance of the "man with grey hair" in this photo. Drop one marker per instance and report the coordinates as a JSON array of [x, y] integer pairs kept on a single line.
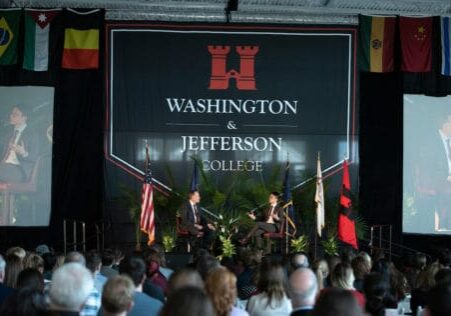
[[4, 290], [303, 288], [299, 260], [70, 288]]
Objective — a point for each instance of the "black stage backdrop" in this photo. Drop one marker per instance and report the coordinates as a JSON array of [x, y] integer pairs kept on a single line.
[[77, 178]]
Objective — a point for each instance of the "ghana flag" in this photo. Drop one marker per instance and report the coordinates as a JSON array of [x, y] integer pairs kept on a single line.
[[376, 43]]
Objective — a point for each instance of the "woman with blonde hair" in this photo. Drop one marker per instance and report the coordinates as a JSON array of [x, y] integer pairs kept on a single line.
[[220, 285], [321, 269], [343, 277]]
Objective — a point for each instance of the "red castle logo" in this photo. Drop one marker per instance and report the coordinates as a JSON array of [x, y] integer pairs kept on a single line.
[[245, 79]]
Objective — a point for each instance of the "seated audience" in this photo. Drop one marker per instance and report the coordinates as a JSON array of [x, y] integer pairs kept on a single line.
[[321, 270], [49, 264], [107, 264], [299, 260], [183, 278], [94, 264], [158, 248], [221, 287], [360, 268], [13, 268], [439, 302], [247, 280], [272, 299], [25, 302], [337, 302], [33, 261], [343, 277], [70, 288], [31, 278], [153, 271], [188, 301], [377, 294], [16, 251], [117, 296], [5, 291], [303, 291], [425, 282], [135, 268]]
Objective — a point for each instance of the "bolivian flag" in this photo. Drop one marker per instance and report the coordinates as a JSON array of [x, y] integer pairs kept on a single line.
[[376, 43], [81, 49]]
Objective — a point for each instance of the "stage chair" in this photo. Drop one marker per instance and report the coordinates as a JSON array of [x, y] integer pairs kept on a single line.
[[277, 236], [182, 234], [9, 191]]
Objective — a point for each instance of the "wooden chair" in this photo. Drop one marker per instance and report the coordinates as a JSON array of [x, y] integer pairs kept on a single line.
[[10, 189], [182, 234], [277, 236]]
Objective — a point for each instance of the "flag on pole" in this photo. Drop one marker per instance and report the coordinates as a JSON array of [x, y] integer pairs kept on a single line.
[[346, 223], [416, 43], [147, 222], [376, 42], [9, 35], [194, 186], [37, 31], [445, 25], [319, 199], [288, 200]]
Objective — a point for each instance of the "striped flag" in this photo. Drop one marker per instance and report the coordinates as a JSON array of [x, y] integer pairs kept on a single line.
[[9, 35], [346, 223], [376, 43], [37, 31], [319, 199], [445, 25], [147, 207], [194, 186]]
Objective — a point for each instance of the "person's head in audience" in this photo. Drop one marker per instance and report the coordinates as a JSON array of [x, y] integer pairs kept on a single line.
[[118, 256], [117, 296], [299, 260], [17, 251], [337, 302], [188, 301], [43, 249], [303, 288], [183, 278], [60, 259], [444, 258], [12, 270], [343, 276], [70, 287], [107, 258], [382, 266], [332, 262], [205, 264], [271, 282], [221, 287], [75, 257], [33, 261], [439, 301], [377, 293], [426, 278], [93, 261], [367, 258], [159, 249], [419, 261], [443, 276], [360, 267], [135, 268], [2, 269], [25, 302], [347, 255], [321, 269], [30, 278], [49, 261]]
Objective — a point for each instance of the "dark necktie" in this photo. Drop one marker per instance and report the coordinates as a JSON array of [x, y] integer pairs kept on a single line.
[[196, 213]]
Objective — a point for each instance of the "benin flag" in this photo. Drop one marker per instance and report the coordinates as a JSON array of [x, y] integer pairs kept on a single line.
[[9, 35], [37, 30], [81, 49], [376, 41]]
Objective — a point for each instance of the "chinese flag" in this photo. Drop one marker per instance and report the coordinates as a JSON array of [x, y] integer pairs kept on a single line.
[[416, 43], [346, 223]]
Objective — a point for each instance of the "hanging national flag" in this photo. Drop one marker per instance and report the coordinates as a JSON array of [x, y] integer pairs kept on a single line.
[[147, 222], [376, 40], [319, 199], [81, 40], [416, 43], [37, 31], [346, 223], [9, 35], [194, 186], [288, 199], [445, 26]]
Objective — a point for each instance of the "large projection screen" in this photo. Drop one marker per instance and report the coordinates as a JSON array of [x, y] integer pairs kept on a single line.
[[427, 165], [26, 129]]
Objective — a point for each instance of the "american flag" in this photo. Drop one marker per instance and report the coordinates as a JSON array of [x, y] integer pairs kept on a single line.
[[147, 208]]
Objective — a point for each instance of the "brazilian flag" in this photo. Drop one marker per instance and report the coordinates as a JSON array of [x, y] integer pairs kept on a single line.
[[9, 35]]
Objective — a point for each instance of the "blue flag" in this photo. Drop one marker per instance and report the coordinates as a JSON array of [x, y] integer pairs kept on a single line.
[[287, 197], [194, 186], [445, 25]]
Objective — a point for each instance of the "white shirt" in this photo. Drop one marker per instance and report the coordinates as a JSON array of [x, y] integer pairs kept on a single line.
[[270, 219], [444, 141], [258, 306], [193, 207], [12, 156]]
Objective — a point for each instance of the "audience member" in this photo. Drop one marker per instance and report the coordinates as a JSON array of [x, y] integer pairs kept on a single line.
[[31, 278], [337, 302], [33, 261], [183, 278], [49, 264], [377, 294], [321, 269], [188, 301], [107, 264], [221, 287], [13, 268], [153, 271], [25, 302], [360, 268], [303, 290], [425, 282], [205, 264], [117, 296], [94, 264], [158, 248], [343, 277], [5, 291], [299, 260], [135, 268], [248, 279], [16, 251], [439, 302]]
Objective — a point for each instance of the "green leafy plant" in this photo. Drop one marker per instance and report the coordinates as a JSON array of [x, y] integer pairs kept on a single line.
[[300, 244], [227, 247], [168, 243], [330, 246]]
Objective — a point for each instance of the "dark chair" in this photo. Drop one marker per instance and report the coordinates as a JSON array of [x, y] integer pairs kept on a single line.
[[276, 236], [182, 234]]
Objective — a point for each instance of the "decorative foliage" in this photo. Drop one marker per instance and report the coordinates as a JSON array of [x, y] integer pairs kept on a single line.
[[300, 244], [227, 247], [168, 243], [330, 246]]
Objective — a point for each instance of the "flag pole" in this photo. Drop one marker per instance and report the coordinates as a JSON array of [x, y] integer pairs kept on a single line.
[[316, 233]]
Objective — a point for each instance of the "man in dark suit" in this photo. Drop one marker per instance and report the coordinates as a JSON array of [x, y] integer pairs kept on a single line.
[[268, 222], [20, 149], [303, 290], [193, 222]]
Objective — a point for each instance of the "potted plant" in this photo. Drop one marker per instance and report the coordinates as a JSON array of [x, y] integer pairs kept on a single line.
[[330, 246], [300, 244]]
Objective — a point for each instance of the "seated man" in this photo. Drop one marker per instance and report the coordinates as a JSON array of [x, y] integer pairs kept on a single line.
[[269, 222], [195, 223]]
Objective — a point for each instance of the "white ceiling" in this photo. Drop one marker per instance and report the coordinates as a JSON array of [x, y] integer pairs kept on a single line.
[[264, 11]]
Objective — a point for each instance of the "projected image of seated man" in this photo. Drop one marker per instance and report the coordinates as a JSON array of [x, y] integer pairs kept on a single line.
[[19, 148]]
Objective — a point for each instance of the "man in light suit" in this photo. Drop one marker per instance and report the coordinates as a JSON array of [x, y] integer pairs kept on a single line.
[[268, 222], [20, 149], [195, 223]]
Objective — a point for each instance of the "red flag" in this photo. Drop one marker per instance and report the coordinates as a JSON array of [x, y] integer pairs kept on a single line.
[[147, 223], [346, 224], [416, 43]]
